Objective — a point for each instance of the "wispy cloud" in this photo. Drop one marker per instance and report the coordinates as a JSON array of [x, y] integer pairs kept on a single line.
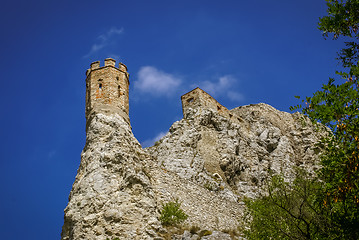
[[150, 142], [216, 88], [156, 82], [104, 40], [222, 87], [235, 96]]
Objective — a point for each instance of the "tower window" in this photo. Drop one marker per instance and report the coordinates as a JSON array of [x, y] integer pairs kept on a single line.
[[100, 83], [190, 100], [119, 91], [117, 78]]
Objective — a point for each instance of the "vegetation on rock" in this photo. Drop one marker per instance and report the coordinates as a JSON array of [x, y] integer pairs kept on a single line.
[[336, 106], [289, 211], [172, 214]]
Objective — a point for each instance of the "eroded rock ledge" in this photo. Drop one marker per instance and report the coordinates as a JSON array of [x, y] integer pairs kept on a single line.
[[206, 160]]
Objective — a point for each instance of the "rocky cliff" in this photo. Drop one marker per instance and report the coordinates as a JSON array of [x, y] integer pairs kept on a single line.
[[207, 161]]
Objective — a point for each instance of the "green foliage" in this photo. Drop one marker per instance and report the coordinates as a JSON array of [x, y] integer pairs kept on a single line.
[[204, 233], [336, 105], [342, 19], [290, 211], [172, 214], [329, 208]]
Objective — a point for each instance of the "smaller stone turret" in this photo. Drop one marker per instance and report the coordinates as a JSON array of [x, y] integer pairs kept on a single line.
[[197, 98], [107, 89]]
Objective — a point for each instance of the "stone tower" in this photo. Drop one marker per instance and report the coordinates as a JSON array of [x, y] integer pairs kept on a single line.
[[107, 89]]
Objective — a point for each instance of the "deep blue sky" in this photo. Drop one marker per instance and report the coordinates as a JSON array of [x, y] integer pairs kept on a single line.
[[241, 52]]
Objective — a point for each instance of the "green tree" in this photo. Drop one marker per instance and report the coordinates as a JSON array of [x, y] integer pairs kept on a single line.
[[289, 211], [329, 208], [336, 105]]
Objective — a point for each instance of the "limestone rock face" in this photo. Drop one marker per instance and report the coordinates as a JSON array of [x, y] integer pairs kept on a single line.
[[207, 161], [111, 196], [214, 152]]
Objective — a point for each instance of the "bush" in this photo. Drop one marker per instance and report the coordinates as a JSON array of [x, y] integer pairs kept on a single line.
[[172, 214], [289, 211]]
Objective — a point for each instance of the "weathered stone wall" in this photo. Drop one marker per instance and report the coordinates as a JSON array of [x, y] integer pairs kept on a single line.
[[206, 144], [197, 98], [107, 86], [210, 161]]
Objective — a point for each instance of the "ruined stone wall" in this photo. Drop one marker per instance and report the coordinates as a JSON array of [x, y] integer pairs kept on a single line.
[[107, 87], [209, 161], [197, 98]]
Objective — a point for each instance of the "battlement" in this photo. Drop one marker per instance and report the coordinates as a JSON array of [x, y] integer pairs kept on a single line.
[[107, 88], [197, 98], [109, 62]]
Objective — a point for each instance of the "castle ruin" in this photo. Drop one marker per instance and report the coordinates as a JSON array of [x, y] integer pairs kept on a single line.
[[209, 161], [107, 88], [197, 98]]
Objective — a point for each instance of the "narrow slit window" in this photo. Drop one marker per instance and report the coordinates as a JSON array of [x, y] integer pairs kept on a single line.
[[119, 91], [100, 85]]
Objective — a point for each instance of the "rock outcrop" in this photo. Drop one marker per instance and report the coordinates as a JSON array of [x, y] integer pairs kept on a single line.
[[112, 196], [210, 161], [206, 161]]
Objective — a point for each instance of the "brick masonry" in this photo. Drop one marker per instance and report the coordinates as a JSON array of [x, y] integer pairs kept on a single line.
[[197, 98], [107, 87]]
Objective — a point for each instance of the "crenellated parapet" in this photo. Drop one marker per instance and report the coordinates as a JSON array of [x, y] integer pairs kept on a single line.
[[109, 62], [107, 88]]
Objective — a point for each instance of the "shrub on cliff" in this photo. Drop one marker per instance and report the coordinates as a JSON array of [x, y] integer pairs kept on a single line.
[[289, 211], [172, 214], [336, 106]]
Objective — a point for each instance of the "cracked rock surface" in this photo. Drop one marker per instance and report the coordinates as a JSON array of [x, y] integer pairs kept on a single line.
[[206, 161]]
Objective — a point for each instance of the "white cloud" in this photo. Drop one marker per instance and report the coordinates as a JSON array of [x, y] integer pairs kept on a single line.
[[217, 88], [156, 82], [113, 31], [104, 40], [150, 142], [235, 96], [222, 87]]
